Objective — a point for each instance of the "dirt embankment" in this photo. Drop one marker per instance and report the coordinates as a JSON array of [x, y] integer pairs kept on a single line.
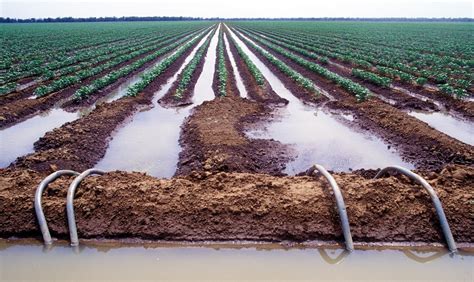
[[80, 144], [19, 110], [416, 141], [213, 139], [223, 206]]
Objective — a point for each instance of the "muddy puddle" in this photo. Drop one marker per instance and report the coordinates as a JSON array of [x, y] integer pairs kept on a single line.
[[228, 262], [149, 143], [318, 136], [457, 128]]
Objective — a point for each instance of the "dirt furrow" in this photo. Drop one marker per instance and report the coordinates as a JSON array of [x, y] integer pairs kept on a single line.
[[257, 207]]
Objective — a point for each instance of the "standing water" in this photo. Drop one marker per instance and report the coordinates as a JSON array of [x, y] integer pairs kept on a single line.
[[150, 142], [226, 262], [456, 128], [319, 137]]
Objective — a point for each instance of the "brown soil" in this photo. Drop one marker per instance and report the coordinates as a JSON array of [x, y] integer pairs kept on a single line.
[[21, 109], [257, 207], [263, 93], [213, 139], [80, 144], [464, 108], [416, 141]]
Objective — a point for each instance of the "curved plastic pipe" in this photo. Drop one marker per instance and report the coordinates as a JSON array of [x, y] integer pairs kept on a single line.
[[69, 203], [341, 207], [434, 198], [39, 209]]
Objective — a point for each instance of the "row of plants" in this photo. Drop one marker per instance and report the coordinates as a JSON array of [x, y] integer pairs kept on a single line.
[[256, 74], [53, 46], [416, 63], [221, 70], [114, 52], [288, 71], [66, 81], [372, 78], [8, 88], [359, 91], [388, 66], [82, 60], [190, 68], [100, 83], [148, 77]]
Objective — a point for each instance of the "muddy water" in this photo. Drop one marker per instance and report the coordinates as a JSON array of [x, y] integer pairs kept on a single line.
[[149, 143], [237, 76], [459, 129], [18, 140], [317, 136], [167, 262]]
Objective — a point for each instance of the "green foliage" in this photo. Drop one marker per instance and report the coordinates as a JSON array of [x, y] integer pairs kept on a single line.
[[248, 62], [8, 88], [372, 78], [190, 68], [149, 76], [221, 67]]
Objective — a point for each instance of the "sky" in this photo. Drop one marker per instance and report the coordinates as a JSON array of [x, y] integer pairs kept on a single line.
[[237, 8]]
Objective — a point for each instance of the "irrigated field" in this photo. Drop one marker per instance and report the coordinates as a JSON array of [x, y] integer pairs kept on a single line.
[[228, 118]]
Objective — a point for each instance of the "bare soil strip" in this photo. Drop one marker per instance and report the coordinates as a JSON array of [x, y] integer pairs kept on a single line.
[[20, 110], [416, 141], [213, 139], [265, 93], [80, 144], [239, 206]]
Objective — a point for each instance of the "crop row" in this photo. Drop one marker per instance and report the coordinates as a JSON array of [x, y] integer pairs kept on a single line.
[[148, 77], [383, 66], [222, 74], [83, 74], [113, 76], [36, 44], [114, 52], [288, 71], [359, 91], [416, 63], [87, 59], [190, 68], [257, 75]]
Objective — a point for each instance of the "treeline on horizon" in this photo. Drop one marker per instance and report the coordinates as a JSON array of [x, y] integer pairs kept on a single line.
[[135, 19]]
